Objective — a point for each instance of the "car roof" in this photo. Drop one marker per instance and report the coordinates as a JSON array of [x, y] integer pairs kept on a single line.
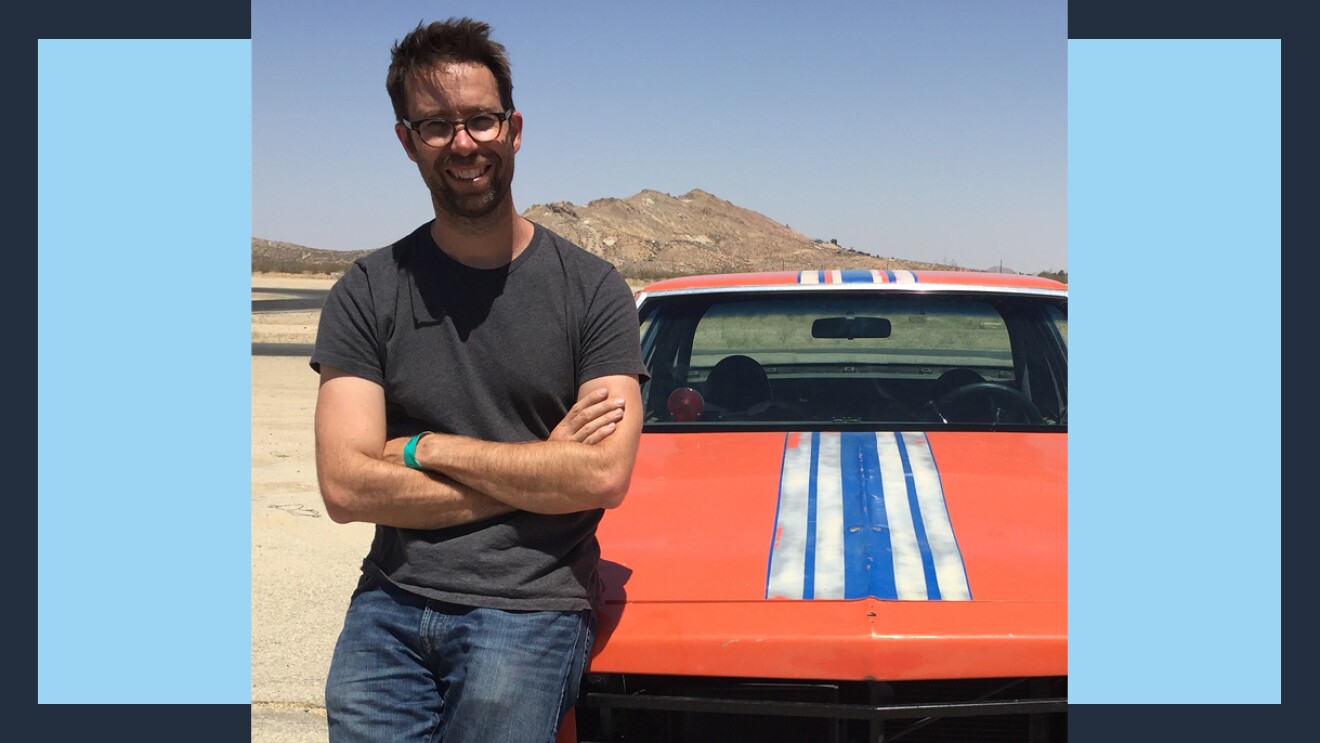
[[927, 279]]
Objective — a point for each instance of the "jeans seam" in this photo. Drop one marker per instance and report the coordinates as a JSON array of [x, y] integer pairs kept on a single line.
[[424, 624], [577, 662]]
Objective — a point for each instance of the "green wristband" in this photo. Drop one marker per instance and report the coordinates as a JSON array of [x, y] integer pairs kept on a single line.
[[410, 451]]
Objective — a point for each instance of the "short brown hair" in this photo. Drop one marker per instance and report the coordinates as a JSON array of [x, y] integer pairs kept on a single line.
[[460, 40]]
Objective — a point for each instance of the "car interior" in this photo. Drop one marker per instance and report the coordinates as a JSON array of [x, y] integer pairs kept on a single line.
[[794, 360]]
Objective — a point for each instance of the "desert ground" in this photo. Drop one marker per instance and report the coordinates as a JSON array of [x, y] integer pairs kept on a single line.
[[303, 564]]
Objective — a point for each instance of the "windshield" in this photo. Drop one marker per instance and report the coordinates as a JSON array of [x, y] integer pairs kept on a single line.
[[849, 360]]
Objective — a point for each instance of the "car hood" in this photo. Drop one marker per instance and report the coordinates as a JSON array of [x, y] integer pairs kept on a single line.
[[839, 555]]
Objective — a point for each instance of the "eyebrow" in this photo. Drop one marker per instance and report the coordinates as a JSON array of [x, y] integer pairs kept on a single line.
[[461, 116]]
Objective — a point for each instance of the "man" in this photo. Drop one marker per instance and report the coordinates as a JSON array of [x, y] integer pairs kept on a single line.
[[479, 402]]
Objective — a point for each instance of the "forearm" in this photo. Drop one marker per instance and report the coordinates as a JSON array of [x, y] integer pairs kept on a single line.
[[542, 476], [359, 487], [363, 477]]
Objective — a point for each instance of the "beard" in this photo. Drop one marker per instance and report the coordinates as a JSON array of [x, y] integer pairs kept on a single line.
[[471, 207]]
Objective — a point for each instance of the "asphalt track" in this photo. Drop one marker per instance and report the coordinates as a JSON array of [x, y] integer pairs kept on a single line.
[[282, 349], [290, 300], [287, 300]]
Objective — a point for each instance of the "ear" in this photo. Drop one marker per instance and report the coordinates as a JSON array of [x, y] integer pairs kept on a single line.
[[405, 139], [515, 129]]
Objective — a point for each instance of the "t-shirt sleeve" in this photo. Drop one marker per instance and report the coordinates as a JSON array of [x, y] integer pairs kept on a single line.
[[347, 337], [610, 338]]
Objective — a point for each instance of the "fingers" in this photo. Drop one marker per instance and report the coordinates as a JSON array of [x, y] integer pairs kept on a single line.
[[600, 425], [600, 433], [591, 419]]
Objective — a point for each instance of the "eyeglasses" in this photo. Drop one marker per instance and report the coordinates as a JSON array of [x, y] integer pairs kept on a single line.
[[440, 132]]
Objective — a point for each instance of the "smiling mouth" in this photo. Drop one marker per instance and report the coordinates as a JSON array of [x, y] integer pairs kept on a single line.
[[468, 173]]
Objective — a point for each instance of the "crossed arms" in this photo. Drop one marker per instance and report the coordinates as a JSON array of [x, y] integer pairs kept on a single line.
[[586, 463]]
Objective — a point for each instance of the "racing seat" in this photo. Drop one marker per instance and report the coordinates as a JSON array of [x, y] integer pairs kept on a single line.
[[736, 384]]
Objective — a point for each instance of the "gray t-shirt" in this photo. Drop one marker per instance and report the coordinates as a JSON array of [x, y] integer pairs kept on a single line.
[[497, 355]]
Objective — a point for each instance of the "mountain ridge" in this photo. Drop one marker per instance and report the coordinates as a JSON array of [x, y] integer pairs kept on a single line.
[[650, 235]]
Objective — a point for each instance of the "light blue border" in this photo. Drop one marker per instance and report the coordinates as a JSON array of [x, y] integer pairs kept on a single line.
[[144, 373], [1174, 471]]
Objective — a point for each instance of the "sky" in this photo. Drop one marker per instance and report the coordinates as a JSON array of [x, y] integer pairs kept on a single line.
[[931, 130]]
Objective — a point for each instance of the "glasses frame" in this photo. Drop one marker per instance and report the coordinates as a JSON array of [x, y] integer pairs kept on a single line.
[[501, 116]]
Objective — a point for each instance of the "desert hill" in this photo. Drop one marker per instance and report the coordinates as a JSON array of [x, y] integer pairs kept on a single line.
[[654, 235], [647, 236]]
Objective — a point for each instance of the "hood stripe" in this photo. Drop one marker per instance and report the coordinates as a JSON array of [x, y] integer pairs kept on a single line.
[[872, 555], [947, 563], [857, 276], [786, 573], [809, 558], [830, 567], [928, 579], [863, 514]]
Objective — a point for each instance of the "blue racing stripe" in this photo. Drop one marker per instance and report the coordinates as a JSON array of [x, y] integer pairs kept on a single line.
[[927, 559], [881, 564], [856, 529], [856, 277], [809, 561]]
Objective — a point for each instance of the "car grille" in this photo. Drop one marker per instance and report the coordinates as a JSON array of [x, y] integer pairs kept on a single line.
[[644, 709]]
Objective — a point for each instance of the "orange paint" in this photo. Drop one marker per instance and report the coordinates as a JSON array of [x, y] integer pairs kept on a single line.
[[688, 552]]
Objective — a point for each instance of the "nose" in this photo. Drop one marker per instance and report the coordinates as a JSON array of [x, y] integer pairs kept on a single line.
[[462, 143]]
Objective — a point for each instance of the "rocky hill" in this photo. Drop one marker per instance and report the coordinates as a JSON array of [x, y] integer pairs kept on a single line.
[[647, 236], [653, 235], [270, 256]]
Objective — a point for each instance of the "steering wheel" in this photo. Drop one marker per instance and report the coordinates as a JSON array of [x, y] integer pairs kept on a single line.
[[988, 402]]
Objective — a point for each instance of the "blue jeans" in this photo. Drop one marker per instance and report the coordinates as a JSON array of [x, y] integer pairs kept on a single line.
[[408, 669]]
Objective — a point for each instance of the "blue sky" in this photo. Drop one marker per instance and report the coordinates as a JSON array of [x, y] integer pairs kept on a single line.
[[920, 129]]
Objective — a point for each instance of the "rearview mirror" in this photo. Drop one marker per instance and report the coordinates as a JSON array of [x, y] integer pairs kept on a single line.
[[851, 327]]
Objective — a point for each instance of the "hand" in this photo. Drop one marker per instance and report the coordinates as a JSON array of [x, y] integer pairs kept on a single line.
[[590, 420], [394, 450]]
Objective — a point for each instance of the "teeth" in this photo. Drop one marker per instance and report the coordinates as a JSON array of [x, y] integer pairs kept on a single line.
[[468, 174]]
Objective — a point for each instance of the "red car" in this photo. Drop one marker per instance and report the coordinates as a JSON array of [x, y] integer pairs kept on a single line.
[[848, 516]]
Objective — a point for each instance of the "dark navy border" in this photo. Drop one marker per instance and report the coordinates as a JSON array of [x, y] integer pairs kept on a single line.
[[231, 19], [1178, 19], [1218, 19], [80, 19]]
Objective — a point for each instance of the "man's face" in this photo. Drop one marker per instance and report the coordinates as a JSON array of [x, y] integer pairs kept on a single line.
[[468, 180]]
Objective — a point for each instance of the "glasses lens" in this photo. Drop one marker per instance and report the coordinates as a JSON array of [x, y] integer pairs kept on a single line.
[[484, 127], [436, 132]]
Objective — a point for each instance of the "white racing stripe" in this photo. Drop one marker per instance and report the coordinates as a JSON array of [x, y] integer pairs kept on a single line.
[[909, 573], [949, 570], [830, 567], [788, 554]]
